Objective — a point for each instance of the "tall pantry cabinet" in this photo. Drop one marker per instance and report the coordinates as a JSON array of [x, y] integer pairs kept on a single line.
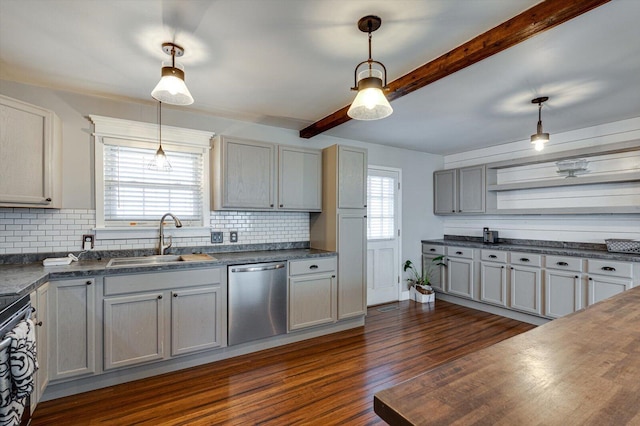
[[342, 225]]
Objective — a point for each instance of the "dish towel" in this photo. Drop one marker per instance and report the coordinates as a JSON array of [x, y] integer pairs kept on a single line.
[[17, 366]]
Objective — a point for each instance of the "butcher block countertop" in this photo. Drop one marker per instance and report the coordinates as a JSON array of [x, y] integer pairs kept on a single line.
[[582, 369]]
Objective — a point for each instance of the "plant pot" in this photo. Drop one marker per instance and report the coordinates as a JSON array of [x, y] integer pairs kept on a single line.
[[420, 297]]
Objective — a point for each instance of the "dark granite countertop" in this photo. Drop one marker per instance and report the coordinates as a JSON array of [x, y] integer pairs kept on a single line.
[[556, 248], [19, 279]]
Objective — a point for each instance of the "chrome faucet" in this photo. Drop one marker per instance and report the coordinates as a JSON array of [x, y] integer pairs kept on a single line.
[[162, 247]]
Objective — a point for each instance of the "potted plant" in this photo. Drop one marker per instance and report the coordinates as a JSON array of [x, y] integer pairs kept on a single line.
[[420, 284]]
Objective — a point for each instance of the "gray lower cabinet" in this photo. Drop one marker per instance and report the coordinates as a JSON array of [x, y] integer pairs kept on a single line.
[[72, 329], [607, 278], [493, 277], [313, 293], [154, 316], [526, 283], [437, 275], [196, 319], [133, 329], [563, 286], [39, 300], [460, 271], [352, 264]]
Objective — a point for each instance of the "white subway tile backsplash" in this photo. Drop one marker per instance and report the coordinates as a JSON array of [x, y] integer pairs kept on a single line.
[[44, 230]]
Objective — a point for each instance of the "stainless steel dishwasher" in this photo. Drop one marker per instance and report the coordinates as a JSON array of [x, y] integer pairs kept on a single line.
[[257, 301]]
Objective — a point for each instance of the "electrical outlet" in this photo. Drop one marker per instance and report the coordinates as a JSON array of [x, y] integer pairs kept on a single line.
[[233, 236], [217, 237], [87, 241]]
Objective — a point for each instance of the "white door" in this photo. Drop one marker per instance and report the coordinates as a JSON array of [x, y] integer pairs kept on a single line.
[[383, 235]]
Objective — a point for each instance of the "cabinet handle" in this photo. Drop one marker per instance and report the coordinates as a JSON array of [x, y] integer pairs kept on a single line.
[[562, 264], [48, 200], [271, 205], [512, 267], [453, 211], [159, 296], [502, 267], [88, 282], [432, 249], [524, 259], [458, 252], [281, 205], [590, 279], [175, 294], [365, 216], [608, 268], [333, 276], [365, 205], [39, 323], [576, 276], [313, 267], [493, 256], [459, 211]]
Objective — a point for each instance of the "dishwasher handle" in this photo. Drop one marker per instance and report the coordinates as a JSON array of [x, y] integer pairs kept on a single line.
[[259, 268]]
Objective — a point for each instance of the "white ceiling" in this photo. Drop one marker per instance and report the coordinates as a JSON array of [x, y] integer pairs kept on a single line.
[[290, 62]]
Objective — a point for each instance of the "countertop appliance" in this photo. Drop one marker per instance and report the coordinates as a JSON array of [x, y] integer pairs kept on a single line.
[[488, 236], [257, 301]]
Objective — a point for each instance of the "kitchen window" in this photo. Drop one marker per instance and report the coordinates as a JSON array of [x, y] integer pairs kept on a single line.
[[130, 196]]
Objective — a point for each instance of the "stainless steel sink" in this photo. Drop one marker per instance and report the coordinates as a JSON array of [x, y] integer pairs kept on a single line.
[[153, 260]]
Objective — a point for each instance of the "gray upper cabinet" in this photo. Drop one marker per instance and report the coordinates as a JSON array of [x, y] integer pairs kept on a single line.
[[243, 174], [254, 175], [352, 178], [445, 192], [459, 190], [299, 179], [31, 161]]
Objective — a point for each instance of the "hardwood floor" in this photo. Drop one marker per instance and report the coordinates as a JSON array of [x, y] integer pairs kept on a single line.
[[327, 380]]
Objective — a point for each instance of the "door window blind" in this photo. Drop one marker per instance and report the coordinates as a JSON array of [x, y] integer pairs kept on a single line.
[[135, 194], [380, 208]]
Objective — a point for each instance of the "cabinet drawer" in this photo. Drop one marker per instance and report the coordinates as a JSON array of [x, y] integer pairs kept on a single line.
[[610, 268], [564, 263], [312, 266], [526, 259], [460, 252], [157, 281], [432, 249], [494, 256]]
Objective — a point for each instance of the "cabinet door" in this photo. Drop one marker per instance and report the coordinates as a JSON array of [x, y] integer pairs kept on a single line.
[[460, 277], [352, 178], [42, 339], [471, 190], [445, 192], [562, 293], [352, 261], [133, 329], [312, 300], [30, 162], [437, 276], [249, 174], [526, 289], [493, 283], [197, 320], [72, 333], [299, 179], [603, 287]]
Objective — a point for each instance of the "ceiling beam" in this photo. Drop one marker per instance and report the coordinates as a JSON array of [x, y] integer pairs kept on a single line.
[[535, 20]]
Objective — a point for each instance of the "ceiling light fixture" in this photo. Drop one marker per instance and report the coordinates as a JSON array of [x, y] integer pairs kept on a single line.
[[171, 88], [159, 162], [370, 102], [540, 138]]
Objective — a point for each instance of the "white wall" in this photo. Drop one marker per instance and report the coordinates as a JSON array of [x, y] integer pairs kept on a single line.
[[78, 185], [576, 228]]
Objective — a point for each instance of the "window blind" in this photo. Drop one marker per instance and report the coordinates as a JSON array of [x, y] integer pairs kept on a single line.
[[133, 193], [380, 208]]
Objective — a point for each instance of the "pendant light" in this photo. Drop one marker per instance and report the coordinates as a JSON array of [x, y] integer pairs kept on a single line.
[[171, 88], [159, 162], [370, 102], [540, 138]]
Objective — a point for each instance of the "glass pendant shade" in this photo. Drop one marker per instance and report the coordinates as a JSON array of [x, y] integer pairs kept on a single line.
[[540, 138], [159, 162], [171, 89], [370, 102]]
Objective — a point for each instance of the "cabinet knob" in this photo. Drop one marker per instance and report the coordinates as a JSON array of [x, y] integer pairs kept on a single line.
[[39, 323], [512, 267], [88, 282], [175, 294], [590, 279], [577, 276], [48, 200], [453, 211], [502, 267], [459, 211], [365, 205], [281, 205], [159, 296], [333, 276], [271, 205]]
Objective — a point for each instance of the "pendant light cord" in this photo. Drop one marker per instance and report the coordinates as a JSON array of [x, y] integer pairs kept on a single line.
[[160, 123]]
